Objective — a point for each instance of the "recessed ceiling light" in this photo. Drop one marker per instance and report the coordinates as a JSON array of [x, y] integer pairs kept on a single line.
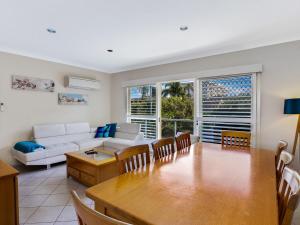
[[184, 28], [110, 50], [51, 30]]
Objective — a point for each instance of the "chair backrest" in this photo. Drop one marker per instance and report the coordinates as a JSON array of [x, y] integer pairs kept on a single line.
[[285, 159], [163, 147], [236, 138], [88, 216], [288, 195], [282, 146], [132, 158], [182, 141]]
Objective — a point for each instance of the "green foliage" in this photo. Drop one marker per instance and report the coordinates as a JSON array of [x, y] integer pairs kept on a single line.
[[177, 107]]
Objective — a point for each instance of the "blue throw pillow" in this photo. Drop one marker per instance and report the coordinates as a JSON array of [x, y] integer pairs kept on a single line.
[[102, 132], [112, 129], [27, 146], [99, 132]]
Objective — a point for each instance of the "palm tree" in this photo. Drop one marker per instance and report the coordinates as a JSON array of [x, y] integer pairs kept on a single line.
[[189, 89], [173, 89]]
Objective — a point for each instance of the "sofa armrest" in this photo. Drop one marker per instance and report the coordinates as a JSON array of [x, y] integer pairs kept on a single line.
[[93, 130], [139, 137]]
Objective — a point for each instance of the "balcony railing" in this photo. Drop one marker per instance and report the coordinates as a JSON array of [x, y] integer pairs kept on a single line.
[[170, 127]]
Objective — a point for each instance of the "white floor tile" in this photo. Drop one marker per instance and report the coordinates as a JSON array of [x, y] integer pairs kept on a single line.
[[33, 181], [54, 180], [59, 173], [25, 213], [70, 202], [67, 223], [296, 218], [43, 173], [57, 200], [44, 189], [26, 190], [68, 214], [64, 188], [33, 200], [46, 214]]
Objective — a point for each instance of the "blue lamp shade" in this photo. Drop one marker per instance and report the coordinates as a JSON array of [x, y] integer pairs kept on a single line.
[[292, 106]]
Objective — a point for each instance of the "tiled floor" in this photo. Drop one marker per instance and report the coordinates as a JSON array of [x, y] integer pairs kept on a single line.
[[45, 196]]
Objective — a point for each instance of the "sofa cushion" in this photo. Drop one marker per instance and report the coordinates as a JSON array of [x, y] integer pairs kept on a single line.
[[48, 130], [90, 143], [60, 149], [118, 143], [131, 128], [77, 128], [63, 139]]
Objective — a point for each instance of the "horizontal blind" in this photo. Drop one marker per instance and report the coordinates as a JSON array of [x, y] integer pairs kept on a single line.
[[142, 108], [226, 104], [142, 100]]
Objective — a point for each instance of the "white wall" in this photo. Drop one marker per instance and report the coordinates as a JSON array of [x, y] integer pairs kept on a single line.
[[26, 108], [280, 80]]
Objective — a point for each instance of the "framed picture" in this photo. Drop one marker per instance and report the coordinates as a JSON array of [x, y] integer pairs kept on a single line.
[[72, 99], [32, 84]]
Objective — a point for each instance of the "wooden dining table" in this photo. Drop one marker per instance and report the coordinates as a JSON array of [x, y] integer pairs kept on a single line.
[[201, 185]]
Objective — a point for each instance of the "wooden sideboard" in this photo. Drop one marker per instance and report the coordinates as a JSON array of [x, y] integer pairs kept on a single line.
[[9, 209]]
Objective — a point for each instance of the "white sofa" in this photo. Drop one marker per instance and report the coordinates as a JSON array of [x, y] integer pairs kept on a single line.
[[62, 138]]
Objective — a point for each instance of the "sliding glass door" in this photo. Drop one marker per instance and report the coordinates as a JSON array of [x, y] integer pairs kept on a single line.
[[202, 107], [177, 108]]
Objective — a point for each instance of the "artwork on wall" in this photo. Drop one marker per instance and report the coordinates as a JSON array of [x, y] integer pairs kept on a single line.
[[32, 84], [72, 99]]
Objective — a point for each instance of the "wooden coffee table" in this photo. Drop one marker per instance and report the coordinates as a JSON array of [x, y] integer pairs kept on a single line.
[[92, 169]]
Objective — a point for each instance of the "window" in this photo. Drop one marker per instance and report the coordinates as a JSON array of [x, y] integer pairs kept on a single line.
[[141, 108], [227, 103]]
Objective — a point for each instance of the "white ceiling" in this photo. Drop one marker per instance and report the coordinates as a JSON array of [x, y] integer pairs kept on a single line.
[[142, 32]]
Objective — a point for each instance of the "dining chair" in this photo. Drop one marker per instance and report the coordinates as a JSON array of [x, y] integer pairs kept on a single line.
[[183, 140], [285, 159], [163, 147], [88, 216], [288, 196], [235, 138], [282, 146], [132, 158]]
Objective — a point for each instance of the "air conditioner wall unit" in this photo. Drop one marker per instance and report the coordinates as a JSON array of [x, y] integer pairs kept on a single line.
[[82, 83]]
